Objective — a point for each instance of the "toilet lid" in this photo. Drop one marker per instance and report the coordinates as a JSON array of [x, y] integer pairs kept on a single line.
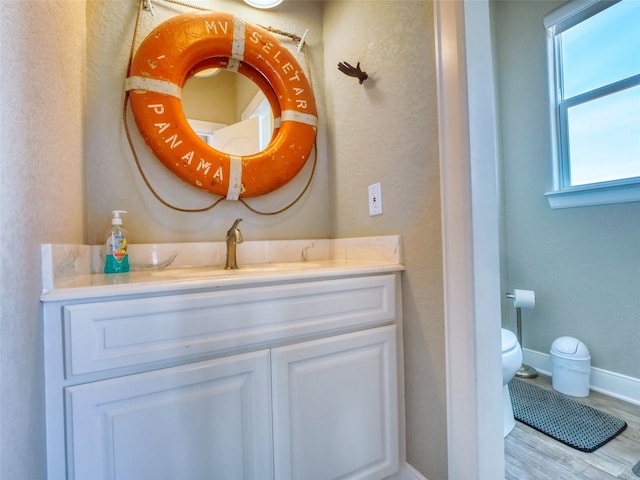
[[509, 340]]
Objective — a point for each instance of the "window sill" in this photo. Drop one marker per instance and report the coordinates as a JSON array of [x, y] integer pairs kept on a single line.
[[595, 194]]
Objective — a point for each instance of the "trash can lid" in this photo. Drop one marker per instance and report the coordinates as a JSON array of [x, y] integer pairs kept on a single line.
[[570, 347]]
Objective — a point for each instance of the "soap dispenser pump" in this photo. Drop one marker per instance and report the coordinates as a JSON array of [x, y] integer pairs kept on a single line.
[[116, 257]]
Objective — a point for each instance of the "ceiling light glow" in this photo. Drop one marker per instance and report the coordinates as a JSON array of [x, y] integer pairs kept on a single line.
[[264, 4]]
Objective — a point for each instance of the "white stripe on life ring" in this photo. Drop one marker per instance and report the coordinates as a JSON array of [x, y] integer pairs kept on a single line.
[[153, 85], [237, 48], [295, 116], [235, 177], [233, 65]]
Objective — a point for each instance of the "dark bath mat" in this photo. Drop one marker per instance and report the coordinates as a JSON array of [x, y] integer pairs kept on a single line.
[[572, 423]]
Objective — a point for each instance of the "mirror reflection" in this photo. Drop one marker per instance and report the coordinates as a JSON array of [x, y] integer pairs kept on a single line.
[[228, 111]]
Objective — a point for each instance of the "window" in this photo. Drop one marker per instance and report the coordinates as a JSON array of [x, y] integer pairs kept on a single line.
[[594, 63]]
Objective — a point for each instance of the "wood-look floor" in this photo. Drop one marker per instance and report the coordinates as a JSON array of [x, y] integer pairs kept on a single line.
[[531, 455]]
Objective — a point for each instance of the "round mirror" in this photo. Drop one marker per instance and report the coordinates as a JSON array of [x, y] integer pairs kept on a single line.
[[228, 111]]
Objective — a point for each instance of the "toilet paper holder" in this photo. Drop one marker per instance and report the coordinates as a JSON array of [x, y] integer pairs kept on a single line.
[[525, 371]]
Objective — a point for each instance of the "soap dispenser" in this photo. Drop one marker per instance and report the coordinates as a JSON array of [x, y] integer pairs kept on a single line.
[[116, 257]]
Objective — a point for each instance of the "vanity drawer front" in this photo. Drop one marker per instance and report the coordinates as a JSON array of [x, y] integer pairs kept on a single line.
[[125, 333]]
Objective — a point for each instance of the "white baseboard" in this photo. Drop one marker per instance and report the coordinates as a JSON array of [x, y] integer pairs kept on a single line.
[[609, 383], [407, 472]]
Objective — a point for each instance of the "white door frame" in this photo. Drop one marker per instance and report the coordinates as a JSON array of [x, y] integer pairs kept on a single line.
[[470, 216]]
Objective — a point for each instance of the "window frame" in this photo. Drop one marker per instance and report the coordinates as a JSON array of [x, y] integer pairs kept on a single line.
[[565, 195]]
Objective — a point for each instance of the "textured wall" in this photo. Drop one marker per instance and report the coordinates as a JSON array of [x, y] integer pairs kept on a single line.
[[386, 131], [61, 117], [112, 179], [583, 263], [42, 196]]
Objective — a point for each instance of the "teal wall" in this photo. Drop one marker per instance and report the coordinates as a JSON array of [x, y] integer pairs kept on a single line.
[[583, 263]]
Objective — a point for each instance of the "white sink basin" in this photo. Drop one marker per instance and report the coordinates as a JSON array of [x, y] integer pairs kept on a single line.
[[219, 271]]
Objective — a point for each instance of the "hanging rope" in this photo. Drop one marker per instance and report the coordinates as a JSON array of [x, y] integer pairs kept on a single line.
[[125, 122]]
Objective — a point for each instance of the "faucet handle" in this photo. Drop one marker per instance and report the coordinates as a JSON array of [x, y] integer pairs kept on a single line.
[[234, 232]]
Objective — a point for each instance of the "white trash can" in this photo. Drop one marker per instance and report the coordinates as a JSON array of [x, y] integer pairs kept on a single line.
[[570, 367]]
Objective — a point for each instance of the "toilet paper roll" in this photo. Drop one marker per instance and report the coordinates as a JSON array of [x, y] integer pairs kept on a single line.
[[524, 298]]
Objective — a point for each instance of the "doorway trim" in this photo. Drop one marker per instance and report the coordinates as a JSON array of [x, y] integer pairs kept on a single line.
[[470, 221]]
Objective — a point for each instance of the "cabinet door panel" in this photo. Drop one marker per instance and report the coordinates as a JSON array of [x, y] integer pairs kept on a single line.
[[200, 421], [335, 407]]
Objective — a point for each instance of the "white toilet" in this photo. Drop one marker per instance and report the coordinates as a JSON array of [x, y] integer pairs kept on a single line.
[[511, 362]]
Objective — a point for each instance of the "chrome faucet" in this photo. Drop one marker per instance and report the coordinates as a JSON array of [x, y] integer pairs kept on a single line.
[[234, 236]]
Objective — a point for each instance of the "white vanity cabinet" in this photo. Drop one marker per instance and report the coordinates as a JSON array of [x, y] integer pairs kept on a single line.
[[298, 380]]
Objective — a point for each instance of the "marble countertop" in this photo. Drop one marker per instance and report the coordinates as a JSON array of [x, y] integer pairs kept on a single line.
[[74, 272]]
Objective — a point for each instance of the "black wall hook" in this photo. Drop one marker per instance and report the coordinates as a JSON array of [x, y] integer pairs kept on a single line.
[[352, 71]]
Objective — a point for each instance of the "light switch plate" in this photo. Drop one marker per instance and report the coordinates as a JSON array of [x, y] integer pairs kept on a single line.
[[375, 199]]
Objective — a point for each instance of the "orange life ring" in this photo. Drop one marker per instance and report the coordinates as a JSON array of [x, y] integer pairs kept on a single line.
[[165, 60]]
